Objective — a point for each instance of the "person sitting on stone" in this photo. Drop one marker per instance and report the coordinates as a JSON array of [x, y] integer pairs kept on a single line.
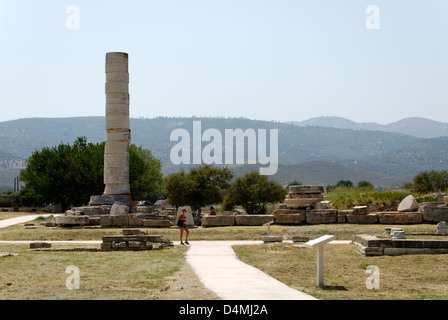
[[212, 211]]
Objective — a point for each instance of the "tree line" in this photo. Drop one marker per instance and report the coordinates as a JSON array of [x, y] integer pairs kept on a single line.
[[69, 174]]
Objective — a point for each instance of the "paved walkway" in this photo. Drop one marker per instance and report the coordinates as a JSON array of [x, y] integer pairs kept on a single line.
[[220, 270], [217, 266], [23, 219]]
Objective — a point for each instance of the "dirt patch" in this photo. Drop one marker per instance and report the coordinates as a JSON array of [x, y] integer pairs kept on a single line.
[[185, 285]]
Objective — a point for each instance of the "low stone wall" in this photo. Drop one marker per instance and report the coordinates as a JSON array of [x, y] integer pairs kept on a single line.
[[134, 242], [253, 219], [131, 220], [374, 246], [396, 217], [217, 221]]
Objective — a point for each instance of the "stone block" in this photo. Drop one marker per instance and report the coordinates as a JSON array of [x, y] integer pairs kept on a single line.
[[398, 235], [295, 219], [157, 246], [38, 245], [369, 251], [362, 218], [307, 189], [433, 213], [302, 202], [134, 221], [154, 238], [106, 245], [342, 214], [323, 205], [253, 219], [136, 245], [121, 221], [159, 223], [268, 239], [322, 216], [107, 221], [130, 232], [360, 210], [442, 227], [71, 220], [217, 221], [395, 217], [120, 246], [408, 204], [300, 239], [92, 210], [119, 209]]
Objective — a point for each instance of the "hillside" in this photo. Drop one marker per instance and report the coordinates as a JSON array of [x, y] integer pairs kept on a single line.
[[363, 151], [414, 126], [327, 173]]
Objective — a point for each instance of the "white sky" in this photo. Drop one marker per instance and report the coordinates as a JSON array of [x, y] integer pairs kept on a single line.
[[285, 60]]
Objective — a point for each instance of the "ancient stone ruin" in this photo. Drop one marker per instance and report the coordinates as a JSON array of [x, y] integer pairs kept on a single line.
[[134, 240]]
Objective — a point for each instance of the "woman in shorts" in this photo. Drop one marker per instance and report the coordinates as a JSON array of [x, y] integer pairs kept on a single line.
[[182, 223]]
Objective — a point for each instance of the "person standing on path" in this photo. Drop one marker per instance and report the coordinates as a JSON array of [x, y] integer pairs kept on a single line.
[[182, 223]]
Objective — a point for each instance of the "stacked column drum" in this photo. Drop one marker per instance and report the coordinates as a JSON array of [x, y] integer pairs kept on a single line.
[[118, 133]]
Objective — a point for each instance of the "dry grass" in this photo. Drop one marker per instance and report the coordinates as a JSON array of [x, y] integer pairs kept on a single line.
[[401, 277], [149, 275]]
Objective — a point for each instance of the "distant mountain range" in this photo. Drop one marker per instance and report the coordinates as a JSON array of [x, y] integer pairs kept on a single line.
[[414, 126], [315, 152]]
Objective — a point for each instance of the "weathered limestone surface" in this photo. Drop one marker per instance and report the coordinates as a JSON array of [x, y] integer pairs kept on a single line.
[[322, 216], [68, 220], [371, 245], [304, 196], [434, 212], [342, 215], [269, 239], [289, 216], [253, 219], [408, 204], [362, 218], [217, 221], [395, 217]]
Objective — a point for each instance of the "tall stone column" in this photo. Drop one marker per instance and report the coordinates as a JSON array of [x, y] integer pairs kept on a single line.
[[118, 133]]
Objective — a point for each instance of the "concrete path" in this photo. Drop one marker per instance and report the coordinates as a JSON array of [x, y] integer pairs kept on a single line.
[[220, 270], [10, 222]]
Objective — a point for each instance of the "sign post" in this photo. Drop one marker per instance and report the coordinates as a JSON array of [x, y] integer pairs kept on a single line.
[[319, 245]]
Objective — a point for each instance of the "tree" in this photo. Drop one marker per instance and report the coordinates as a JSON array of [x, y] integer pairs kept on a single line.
[[431, 181], [365, 184], [202, 186], [69, 175], [253, 192], [145, 174]]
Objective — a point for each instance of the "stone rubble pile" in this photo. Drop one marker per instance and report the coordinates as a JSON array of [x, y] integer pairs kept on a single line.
[[134, 240]]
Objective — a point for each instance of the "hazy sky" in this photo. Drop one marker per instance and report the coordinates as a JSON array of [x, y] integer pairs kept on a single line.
[[285, 60]]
